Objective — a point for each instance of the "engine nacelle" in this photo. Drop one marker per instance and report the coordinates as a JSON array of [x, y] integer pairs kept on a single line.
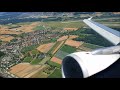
[[85, 64]]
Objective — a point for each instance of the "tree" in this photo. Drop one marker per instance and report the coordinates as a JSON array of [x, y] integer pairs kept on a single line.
[[1, 54], [0, 42]]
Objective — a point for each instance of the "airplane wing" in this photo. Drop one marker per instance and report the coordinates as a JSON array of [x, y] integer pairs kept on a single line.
[[110, 34], [85, 64]]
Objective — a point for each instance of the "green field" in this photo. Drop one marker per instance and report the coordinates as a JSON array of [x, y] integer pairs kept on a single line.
[[49, 70], [36, 61], [59, 24], [91, 46], [39, 28], [40, 75], [68, 49], [53, 40], [56, 74], [23, 23], [45, 60], [0, 42], [53, 64], [90, 36], [61, 54], [35, 52], [28, 59], [14, 26], [29, 48]]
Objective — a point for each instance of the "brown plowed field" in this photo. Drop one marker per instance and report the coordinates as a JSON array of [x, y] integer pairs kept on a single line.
[[73, 36], [35, 71], [19, 67], [62, 38], [56, 60], [45, 47], [23, 28], [6, 38], [70, 29], [28, 28], [26, 70], [73, 43], [7, 31]]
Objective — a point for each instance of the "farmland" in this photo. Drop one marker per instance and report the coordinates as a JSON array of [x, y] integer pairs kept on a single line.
[[34, 52], [45, 60], [53, 64], [29, 48], [39, 28], [6, 38], [45, 47], [28, 59], [62, 38], [92, 46], [40, 74], [56, 74], [73, 43], [35, 61], [61, 54], [18, 28], [26, 70], [70, 29], [56, 60], [55, 47], [72, 36], [58, 24], [68, 49]]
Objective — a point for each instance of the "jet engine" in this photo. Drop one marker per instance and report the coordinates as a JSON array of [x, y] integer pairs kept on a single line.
[[86, 64]]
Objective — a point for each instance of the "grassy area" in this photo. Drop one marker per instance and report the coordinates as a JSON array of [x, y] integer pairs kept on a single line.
[[90, 36], [91, 46], [39, 28], [13, 26], [68, 49], [35, 52], [59, 24], [53, 64], [40, 75], [53, 40], [36, 61], [29, 48], [56, 74], [45, 60], [61, 54], [24, 23], [28, 59], [49, 70], [0, 42]]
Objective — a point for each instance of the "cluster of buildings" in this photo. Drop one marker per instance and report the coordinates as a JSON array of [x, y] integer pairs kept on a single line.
[[13, 49]]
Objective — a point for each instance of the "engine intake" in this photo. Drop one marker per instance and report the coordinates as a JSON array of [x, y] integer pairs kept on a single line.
[[72, 68]]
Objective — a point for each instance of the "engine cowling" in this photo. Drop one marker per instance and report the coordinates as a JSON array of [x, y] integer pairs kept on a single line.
[[86, 64]]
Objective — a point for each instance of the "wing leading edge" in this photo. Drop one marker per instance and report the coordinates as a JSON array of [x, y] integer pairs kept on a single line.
[[110, 34]]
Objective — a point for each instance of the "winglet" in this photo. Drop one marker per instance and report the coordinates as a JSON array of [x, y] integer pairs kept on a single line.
[[90, 18]]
